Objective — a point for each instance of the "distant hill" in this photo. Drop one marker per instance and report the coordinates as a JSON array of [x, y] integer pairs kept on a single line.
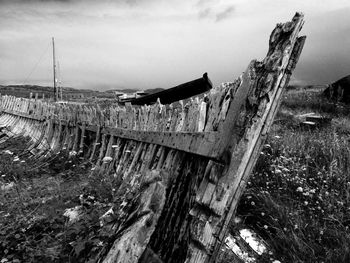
[[130, 91], [25, 90], [339, 90]]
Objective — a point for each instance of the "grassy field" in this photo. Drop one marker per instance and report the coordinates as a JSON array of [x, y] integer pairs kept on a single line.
[[298, 198], [33, 199]]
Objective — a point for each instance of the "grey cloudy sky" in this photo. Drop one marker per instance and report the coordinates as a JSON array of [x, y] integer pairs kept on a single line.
[[156, 43]]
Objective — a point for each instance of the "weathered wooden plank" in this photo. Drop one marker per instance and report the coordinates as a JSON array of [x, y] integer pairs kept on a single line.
[[199, 143], [247, 148], [24, 115]]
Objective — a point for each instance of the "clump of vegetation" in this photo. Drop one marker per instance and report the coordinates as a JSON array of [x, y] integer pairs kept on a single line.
[[34, 198], [298, 197]]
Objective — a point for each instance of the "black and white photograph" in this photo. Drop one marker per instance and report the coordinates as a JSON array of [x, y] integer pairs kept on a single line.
[[154, 131]]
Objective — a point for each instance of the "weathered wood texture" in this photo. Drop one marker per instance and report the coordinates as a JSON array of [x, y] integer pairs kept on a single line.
[[182, 167]]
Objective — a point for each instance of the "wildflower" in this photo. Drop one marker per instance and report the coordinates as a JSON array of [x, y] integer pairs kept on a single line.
[[284, 229], [299, 189], [276, 261], [262, 213], [278, 171], [277, 137], [72, 153], [253, 203], [295, 226], [266, 227], [321, 232], [306, 203], [237, 220]]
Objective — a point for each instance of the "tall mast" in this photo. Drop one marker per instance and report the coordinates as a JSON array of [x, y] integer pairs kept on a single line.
[[54, 71]]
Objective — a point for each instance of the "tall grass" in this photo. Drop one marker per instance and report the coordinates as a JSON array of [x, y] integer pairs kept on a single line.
[[298, 198]]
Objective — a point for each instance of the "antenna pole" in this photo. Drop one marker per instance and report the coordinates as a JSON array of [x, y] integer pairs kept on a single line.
[[54, 71]]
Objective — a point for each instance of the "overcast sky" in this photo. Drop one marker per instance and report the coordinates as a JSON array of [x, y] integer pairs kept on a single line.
[[156, 43]]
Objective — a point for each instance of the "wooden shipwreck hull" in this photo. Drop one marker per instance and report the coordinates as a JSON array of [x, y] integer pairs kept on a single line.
[[182, 169]]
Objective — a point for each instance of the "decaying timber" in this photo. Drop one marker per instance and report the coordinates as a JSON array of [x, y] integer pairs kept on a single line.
[[182, 169]]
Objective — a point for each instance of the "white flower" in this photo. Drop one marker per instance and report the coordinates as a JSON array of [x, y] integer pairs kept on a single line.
[[299, 189], [72, 153], [278, 171], [237, 220], [266, 227]]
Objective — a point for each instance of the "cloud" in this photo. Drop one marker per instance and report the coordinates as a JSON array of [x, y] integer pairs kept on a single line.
[[204, 13], [225, 14], [203, 2], [124, 42]]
